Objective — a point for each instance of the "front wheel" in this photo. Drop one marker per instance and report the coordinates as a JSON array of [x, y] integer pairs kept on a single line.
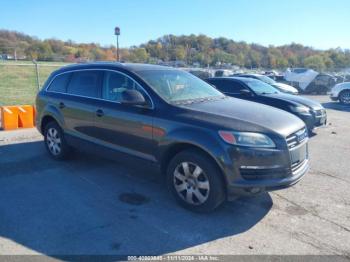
[[344, 97], [55, 142], [195, 181]]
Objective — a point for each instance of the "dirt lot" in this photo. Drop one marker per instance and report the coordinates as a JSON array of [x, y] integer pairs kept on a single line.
[[75, 207]]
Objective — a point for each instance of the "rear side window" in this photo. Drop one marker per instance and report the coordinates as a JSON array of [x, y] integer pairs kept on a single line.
[[227, 86], [59, 84], [85, 83]]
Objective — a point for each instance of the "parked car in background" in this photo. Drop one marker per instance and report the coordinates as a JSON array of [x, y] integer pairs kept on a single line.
[[202, 74], [341, 93], [309, 81], [311, 112], [209, 146], [223, 72], [280, 86]]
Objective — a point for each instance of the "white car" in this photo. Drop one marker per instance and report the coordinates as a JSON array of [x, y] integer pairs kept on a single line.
[[280, 86], [341, 93]]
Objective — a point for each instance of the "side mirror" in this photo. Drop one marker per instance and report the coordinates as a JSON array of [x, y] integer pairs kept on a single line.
[[132, 97], [246, 92]]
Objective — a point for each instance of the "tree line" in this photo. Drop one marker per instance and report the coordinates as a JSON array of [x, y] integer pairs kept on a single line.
[[190, 49]]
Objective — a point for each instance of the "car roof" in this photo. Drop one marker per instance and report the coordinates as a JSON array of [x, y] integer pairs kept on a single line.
[[134, 67], [257, 75], [237, 78]]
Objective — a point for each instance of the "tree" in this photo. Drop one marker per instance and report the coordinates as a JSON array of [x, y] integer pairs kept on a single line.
[[138, 55], [180, 53], [192, 48], [315, 62]]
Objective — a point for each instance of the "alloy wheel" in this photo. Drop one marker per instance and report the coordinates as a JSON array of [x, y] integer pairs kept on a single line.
[[345, 98], [191, 183], [53, 141]]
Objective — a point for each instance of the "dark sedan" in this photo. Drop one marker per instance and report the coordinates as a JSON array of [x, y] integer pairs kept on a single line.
[[311, 112]]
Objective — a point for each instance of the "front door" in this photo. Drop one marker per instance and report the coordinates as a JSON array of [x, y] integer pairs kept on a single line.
[[125, 128]]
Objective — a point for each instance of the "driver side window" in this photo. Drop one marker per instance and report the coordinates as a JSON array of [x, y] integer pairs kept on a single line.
[[115, 83]]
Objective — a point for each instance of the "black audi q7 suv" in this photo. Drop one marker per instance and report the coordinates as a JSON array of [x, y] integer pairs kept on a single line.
[[210, 147], [311, 112]]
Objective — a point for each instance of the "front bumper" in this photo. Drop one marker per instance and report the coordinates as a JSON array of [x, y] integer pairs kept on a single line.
[[249, 188], [334, 97], [255, 171], [317, 118]]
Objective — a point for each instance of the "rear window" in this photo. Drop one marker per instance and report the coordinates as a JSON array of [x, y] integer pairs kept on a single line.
[[85, 83], [59, 84]]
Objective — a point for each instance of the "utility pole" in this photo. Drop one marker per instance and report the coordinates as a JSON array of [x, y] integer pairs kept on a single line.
[[117, 33]]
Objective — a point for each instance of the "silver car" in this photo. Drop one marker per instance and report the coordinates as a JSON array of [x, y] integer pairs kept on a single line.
[[341, 93]]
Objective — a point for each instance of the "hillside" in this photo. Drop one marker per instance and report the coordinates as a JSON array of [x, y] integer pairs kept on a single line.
[[192, 49]]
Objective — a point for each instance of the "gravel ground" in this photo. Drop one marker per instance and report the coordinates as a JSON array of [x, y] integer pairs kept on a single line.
[[90, 205]]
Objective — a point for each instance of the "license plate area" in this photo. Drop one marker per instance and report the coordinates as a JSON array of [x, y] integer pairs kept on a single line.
[[299, 154]]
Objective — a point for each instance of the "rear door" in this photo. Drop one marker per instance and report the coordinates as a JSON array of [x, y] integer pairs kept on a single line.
[[125, 128], [80, 104]]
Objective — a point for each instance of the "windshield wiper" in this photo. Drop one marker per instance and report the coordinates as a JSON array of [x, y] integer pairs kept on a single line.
[[197, 100]]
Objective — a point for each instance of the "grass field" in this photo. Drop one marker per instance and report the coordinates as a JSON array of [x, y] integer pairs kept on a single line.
[[18, 82]]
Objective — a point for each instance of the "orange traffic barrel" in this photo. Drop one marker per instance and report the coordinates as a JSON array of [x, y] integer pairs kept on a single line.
[[9, 117], [25, 116]]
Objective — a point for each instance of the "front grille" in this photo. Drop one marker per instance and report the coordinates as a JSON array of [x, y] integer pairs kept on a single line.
[[297, 138], [298, 149]]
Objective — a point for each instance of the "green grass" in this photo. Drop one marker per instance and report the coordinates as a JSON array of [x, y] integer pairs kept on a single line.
[[18, 84]]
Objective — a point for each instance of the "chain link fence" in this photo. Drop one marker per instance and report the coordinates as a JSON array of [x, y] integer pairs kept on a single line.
[[20, 81]]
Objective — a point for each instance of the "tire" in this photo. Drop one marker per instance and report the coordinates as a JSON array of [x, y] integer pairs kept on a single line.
[[55, 142], [344, 97], [195, 181]]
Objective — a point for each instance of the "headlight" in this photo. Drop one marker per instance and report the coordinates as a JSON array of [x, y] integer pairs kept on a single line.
[[300, 109], [247, 139]]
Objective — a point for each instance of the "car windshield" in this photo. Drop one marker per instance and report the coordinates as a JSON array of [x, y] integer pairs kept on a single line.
[[176, 85], [261, 87], [267, 80]]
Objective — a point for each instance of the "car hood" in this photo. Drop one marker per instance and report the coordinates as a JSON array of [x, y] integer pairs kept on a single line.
[[241, 115], [286, 87], [297, 100]]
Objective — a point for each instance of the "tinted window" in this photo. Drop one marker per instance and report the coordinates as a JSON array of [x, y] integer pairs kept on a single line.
[[85, 83], [115, 83], [228, 86], [59, 83]]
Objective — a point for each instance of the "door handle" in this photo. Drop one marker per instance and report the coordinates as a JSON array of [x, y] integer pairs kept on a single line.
[[61, 105], [100, 113]]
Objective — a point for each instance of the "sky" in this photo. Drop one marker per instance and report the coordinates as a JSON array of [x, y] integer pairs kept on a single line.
[[318, 23]]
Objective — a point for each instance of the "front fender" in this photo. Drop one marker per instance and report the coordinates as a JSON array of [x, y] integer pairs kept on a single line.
[[205, 140]]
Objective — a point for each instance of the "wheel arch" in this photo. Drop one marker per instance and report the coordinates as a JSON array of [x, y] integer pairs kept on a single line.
[[45, 120], [344, 90], [176, 148], [51, 113]]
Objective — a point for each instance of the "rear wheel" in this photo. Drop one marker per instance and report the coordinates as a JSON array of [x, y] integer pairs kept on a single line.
[[344, 97], [55, 142], [195, 181]]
